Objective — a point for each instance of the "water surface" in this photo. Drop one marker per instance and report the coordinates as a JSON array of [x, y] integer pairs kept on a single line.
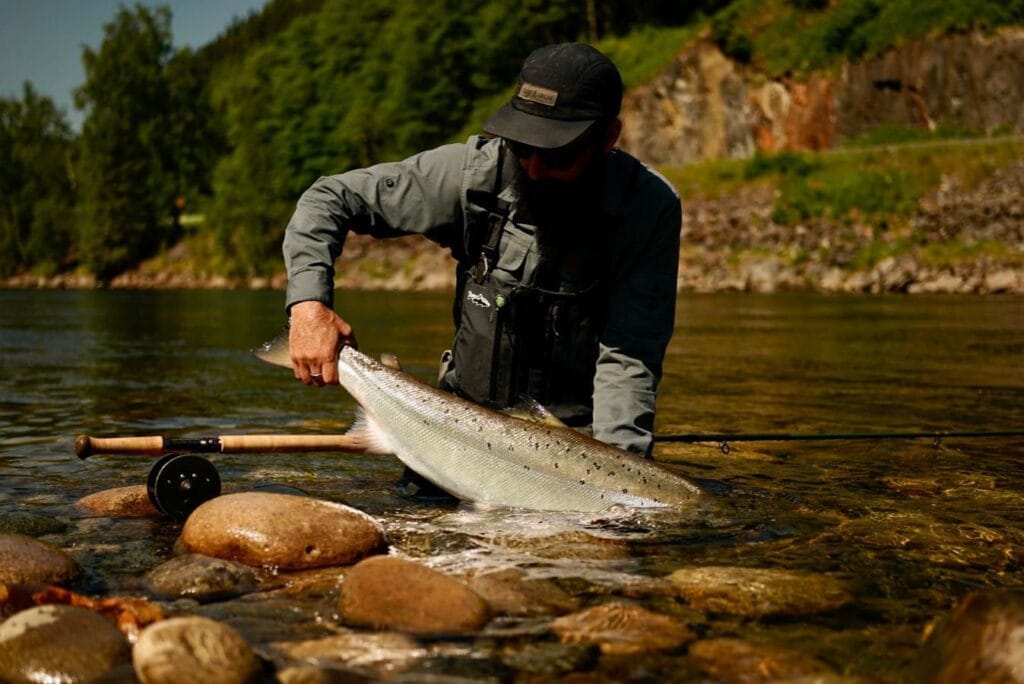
[[914, 525]]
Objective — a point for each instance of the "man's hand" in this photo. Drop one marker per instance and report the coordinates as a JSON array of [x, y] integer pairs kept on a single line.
[[317, 335]]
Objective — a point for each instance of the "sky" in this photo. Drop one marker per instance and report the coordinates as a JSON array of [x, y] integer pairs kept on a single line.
[[41, 40]]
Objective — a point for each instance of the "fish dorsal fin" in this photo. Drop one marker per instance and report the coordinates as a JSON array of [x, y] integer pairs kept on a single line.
[[390, 360], [528, 408]]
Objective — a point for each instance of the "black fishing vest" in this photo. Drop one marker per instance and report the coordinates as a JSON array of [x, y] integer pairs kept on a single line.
[[532, 334]]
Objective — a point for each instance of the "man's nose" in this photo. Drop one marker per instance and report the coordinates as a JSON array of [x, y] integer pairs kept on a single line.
[[533, 166]]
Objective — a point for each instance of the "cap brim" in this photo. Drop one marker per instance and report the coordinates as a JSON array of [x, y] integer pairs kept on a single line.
[[535, 131]]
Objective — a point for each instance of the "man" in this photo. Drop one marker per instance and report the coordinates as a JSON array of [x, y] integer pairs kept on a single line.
[[567, 253]]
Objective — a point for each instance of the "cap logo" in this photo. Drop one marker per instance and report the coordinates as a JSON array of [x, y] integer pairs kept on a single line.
[[538, 94]]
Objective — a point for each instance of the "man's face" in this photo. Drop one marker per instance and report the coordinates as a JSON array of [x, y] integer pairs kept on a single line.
[[566, 164]]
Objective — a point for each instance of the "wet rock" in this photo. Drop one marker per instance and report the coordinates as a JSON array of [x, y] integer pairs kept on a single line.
[[30, 524], [759, 592], [735, 661], [59, 644], [912, 486], [311, 674], [393, 593], [507, 592], [281, 530], [121, 502], [549, 658], [571, 544], [623, 629], [388, 651], [30, 561], [201, 578], [194, 649], [979, 641]]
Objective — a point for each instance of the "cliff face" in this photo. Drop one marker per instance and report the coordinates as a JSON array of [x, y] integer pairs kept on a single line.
[[705, 106]]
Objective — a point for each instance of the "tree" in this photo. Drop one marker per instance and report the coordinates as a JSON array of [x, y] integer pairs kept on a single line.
[[36, 188], [126, 185]]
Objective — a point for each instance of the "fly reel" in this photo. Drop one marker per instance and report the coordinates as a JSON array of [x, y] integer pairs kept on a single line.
[[180, 483]]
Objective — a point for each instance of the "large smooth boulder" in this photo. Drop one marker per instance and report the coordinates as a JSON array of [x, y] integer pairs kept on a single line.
[[194, 649], [24, 560], [393, 593], [59, 644], [281, 530]]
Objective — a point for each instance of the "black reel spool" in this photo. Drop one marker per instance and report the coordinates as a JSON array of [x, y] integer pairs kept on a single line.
[[179, 483]]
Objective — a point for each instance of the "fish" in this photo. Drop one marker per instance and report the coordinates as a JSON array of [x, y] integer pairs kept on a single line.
[[487, 457]]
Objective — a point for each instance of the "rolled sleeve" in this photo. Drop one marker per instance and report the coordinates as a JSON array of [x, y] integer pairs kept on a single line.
[[420, 195]]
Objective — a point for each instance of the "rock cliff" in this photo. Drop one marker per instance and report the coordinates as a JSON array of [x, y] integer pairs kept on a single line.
[[704, 106]]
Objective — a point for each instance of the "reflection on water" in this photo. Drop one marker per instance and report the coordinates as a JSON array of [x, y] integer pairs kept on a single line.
[[914, 525]]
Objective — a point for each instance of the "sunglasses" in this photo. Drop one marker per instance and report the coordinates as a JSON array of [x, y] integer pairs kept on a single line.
[[557, 158]]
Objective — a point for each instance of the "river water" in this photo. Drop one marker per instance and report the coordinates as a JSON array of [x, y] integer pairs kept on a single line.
[[913, 525]]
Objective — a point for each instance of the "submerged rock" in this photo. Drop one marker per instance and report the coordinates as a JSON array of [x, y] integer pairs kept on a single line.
[[121, 502], [59, 644], [549, 658], [311, 674], [24, 560], [201, 578], [738, 661], [387, 651], [507, 592], [30, 524], [980, 641], [281, 530], [623, 629], [759, 592], [392, 593], [194, 649]]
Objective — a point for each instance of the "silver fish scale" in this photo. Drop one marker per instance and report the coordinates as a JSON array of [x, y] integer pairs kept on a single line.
[[488, 457]]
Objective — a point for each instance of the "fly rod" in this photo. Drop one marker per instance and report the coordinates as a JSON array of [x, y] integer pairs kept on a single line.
[[86, 446]]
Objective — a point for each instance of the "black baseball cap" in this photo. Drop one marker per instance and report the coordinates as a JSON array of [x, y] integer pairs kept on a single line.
[[563, 89]]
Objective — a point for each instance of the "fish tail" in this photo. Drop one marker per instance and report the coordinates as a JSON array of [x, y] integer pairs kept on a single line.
[[369, 435]]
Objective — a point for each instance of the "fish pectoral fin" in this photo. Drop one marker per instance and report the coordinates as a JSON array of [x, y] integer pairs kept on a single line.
[[275, 351], [390, 360], [369, 436], [528, 408]]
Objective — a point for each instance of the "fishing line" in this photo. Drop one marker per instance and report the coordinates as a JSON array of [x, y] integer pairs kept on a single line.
[[723, 439]]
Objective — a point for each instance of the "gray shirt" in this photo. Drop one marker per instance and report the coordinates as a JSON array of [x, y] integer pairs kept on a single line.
[[426, 194]]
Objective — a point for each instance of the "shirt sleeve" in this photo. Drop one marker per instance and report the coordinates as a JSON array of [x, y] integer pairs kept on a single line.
[[641, 319], [420, 195]]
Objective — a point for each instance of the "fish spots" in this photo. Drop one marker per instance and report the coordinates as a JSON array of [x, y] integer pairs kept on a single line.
[[488, 446], [556, 465], [625, 491], [526, 467], [597, 466], [583, 482]]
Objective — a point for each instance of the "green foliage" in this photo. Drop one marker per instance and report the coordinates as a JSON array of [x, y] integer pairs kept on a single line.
[[126, 185], [897, 134], [641, 54], [36, 189], [796, 36]]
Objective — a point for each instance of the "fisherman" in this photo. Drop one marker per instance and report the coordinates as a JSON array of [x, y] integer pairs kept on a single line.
[[566, 248]]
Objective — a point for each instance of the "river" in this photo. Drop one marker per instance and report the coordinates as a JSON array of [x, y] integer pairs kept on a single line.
[[912, 524]]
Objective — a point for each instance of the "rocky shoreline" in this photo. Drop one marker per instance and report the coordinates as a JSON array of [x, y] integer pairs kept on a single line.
[[729, 243]]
